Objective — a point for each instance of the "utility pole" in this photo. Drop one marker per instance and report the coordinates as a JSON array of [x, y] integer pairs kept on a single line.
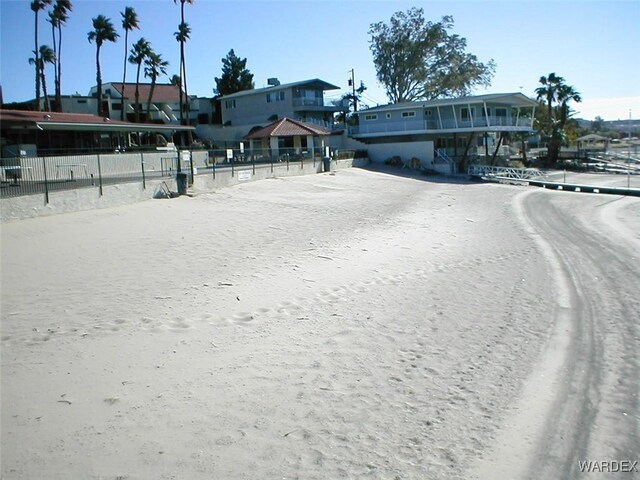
[[352, 82]]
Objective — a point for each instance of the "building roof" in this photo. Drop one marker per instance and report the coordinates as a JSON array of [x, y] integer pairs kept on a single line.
[[592, 137], [516, 99], [287, 127], [78, 122], [162, 92], [315, 82]]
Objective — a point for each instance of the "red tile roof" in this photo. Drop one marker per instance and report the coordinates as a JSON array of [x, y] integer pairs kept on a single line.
[[162, 93], [287, 127]]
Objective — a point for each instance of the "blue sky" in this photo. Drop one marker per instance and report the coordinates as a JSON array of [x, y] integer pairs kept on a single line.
[[592, 44]]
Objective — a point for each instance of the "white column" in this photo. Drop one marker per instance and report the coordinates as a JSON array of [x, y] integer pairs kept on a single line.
[[273, 143]]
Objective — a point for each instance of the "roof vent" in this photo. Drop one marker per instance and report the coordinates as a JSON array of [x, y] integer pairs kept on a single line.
[[274, 82]]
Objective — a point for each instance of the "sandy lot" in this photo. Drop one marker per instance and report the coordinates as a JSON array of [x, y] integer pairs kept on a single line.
[[353, 325]]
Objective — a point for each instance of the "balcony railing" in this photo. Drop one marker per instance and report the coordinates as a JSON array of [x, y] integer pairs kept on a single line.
[[435, 124], [313, 102]]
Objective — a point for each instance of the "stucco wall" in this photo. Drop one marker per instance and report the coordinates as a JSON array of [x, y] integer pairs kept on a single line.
[[28, 206], [380, 152], [205, 182]]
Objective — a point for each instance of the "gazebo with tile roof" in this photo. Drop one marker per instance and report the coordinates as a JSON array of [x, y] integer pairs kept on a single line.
[[289, 135]]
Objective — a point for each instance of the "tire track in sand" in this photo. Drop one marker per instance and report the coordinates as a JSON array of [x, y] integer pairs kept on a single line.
[[564, 414]]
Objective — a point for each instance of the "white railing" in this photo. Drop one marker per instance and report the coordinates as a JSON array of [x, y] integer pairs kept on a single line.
[[441, 156], [437, 124], [495, 172]]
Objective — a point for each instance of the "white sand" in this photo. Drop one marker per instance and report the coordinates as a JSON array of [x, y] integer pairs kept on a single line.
[[356, 325]]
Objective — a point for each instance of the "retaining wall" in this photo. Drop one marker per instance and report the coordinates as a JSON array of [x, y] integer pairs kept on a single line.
[[64, 201]]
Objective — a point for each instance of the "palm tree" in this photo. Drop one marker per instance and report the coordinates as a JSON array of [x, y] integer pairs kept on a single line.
[[176, 80], [36, 6], [139, 53], [58, 18], [44, 55], [554, 90], [566, 93], [103, 31], [129, 22], [182, 35], [154, 67], [549, 93]]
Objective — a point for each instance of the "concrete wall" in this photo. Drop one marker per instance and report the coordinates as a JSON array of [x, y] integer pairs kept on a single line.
[[422, 150], [28, 206], [205, 182]]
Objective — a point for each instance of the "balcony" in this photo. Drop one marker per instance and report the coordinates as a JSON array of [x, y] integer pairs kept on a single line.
[[314, 104], [442, 125]]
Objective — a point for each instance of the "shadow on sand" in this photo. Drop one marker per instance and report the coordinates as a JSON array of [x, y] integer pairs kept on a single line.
[[405, 172]]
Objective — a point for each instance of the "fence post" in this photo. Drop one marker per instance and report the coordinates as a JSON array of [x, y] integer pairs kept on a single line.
[[99, 175], [232, 166], [46, 182], [144, 182], [287, 155], [214, 168], [253, 163]]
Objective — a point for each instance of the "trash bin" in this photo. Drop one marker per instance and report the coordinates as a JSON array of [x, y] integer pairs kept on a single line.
[[181, 180], [326, 163]]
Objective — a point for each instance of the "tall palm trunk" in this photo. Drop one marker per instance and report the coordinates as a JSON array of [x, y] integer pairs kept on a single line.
[[59, 72], [55, 65], [149, 100], [47, 107], [183, 79], [124, 72], [137, 94], [37, 64], [184, 82], [99, 82]]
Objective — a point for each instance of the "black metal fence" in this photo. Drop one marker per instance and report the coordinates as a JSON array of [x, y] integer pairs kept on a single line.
[[21, 176], [41, 175], [244, 159]]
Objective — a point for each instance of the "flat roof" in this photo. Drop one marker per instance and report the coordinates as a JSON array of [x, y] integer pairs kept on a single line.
[[313, 82], [516, 98]]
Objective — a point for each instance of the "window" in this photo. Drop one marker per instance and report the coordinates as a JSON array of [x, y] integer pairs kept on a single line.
[[371, 116], [486, 113], [427, 113], [388, 115], [275, 96], [501, 112], [465, 114], [230, 103], [82, 101], [408, 114]]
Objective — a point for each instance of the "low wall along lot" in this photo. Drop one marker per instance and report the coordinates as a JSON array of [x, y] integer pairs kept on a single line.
[[82, 194]]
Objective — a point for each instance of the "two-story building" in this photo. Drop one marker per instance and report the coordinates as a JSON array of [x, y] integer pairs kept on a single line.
[[445, 134], [243, 112], [302, 101], [165, 103]]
